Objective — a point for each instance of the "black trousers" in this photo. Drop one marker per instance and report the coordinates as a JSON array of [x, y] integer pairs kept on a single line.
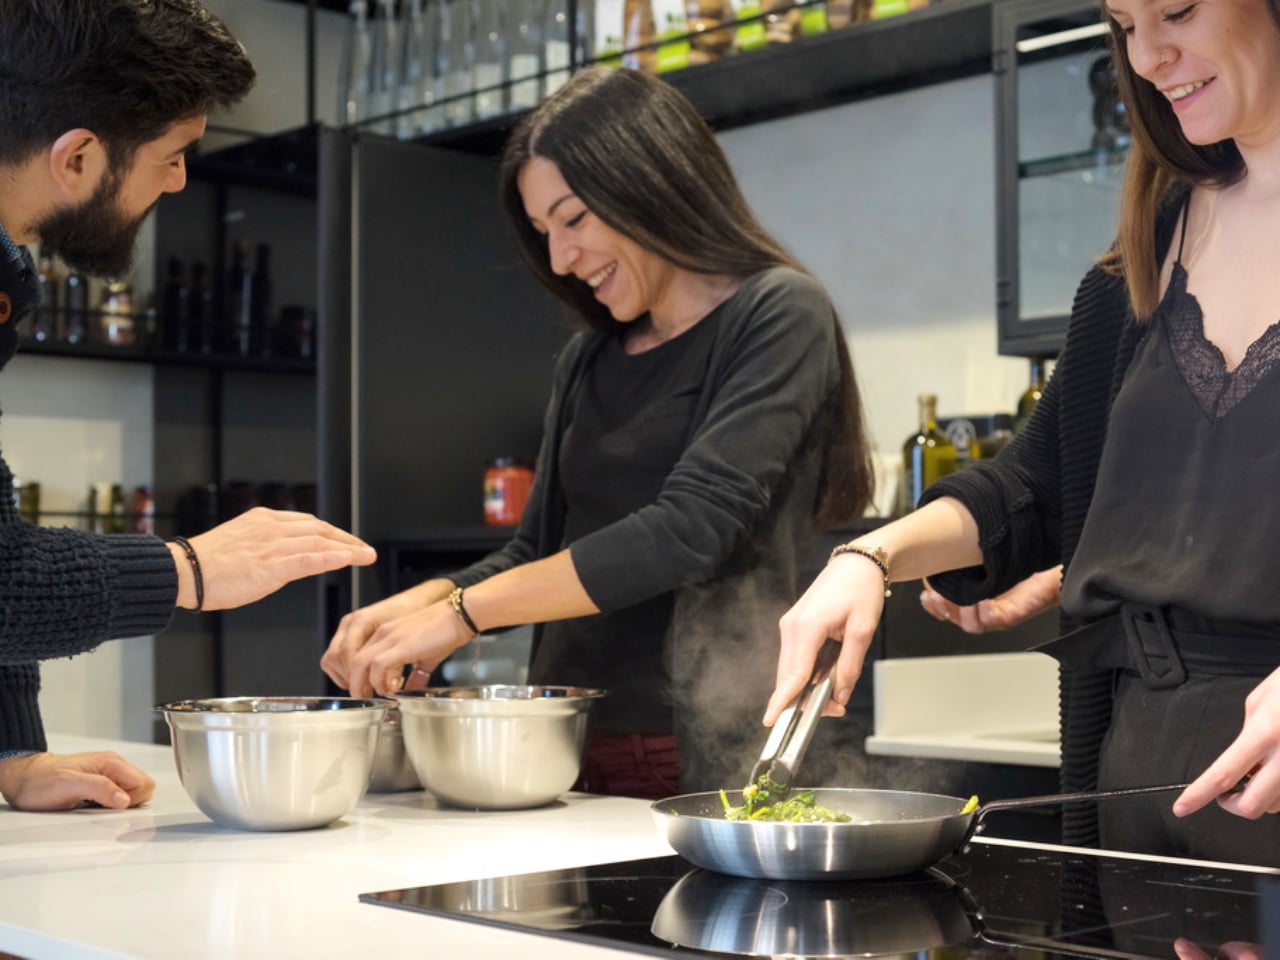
[[1180, 684], [1170, 736]]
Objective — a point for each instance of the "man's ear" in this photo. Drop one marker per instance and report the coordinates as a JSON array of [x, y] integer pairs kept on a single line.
[[77, 162]]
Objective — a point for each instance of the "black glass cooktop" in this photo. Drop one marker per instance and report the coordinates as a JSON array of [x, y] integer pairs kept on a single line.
[[993, 900]]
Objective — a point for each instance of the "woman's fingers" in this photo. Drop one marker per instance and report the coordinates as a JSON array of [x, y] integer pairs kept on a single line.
[[844, 603]]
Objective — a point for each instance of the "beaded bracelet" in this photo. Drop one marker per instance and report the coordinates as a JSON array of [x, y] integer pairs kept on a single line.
[[455, 601], [876, 555], [192, 559]]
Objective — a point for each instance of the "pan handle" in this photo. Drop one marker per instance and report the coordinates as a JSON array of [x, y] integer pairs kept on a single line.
[[1052, 799], [1080, 797]]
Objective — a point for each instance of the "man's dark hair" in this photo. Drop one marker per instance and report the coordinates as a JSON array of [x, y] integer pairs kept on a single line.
[[125, 69]]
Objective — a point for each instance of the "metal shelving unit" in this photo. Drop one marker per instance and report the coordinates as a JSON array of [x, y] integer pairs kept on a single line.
[[947, 41]]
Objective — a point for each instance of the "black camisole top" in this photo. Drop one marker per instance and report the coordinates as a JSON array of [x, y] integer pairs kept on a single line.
[[1186, 511]]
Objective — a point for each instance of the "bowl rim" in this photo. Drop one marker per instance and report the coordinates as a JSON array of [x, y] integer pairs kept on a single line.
[[292, 706], [494, 693]]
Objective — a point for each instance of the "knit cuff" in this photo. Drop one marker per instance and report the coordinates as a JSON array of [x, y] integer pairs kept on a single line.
[[20, 725], [144, 585]]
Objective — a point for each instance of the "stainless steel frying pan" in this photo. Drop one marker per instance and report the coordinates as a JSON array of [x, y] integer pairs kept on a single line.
[[893, 832]]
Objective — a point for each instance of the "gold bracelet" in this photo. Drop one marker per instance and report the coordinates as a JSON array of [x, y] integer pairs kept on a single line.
[[455, 601], [876, 555]]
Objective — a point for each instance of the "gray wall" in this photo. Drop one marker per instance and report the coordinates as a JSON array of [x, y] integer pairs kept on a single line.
[[891, 203]]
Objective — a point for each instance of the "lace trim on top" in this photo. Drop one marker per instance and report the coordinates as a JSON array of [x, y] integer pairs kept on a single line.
[[1203, 367]]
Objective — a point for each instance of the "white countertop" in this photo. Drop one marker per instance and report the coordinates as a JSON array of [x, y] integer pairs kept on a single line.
[[164, 881], [989, 707]]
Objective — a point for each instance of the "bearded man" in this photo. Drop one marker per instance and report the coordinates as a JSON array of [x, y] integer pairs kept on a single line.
[[101, 101]]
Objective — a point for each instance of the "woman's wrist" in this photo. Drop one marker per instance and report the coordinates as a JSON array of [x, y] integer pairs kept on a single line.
[[874, 554], [458, 602]]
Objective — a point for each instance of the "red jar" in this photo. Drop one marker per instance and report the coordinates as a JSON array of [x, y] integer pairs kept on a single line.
[[507, 483]]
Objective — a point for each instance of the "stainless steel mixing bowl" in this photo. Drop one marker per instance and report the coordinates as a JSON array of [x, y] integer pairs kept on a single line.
[[496, 747], [274, 763], [392, 771]]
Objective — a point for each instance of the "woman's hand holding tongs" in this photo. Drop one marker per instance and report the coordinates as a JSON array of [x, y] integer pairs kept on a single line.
[[845, 603]]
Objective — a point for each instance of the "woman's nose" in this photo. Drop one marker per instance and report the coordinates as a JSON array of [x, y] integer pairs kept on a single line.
[[563, 255], [1148, 53]]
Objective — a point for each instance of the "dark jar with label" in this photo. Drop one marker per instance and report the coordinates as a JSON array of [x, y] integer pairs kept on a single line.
[[507, 483]]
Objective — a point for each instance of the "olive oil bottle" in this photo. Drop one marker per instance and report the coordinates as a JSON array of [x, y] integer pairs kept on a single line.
[[1031, 396], [926, 456]]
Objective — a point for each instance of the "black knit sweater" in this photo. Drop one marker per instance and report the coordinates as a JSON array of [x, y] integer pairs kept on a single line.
[[64, 591], [1031, 501]]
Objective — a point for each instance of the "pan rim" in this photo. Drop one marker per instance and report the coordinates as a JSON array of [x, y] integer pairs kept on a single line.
[[660, 807]]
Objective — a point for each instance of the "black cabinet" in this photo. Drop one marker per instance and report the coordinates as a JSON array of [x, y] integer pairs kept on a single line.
[[1060, 143], [243, 426], [437, 343]]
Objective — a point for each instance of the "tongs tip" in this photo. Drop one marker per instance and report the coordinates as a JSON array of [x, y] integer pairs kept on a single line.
[[789, 739]]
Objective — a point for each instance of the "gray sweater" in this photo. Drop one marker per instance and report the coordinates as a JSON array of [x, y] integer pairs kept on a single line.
[[729, 531]]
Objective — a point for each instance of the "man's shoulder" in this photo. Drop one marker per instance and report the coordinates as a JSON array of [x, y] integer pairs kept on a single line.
[[19, 287]]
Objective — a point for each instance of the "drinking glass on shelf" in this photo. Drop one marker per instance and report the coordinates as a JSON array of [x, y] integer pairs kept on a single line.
[[416, 72], [555, 44], [456, 36], [489, 72], [525, 53], [382, 68], [353, 66]]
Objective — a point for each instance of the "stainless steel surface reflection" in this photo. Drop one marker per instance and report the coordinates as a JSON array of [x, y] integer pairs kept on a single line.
[[392, 771], [793, 918], [496, 747], [274, 763], [554, 900]]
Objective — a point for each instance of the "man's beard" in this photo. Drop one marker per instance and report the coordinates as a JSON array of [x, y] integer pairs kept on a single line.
[[94, 237]]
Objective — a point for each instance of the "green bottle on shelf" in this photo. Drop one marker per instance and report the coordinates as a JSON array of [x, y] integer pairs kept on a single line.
[[1031, 396], [927, 456]]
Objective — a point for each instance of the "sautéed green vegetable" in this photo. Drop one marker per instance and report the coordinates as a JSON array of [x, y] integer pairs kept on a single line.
[[771, 801]]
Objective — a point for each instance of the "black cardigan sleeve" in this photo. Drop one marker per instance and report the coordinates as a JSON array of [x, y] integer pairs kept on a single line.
[[1031, 500]]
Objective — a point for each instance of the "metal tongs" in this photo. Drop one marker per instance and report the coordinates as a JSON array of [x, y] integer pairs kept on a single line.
[[785, 748]]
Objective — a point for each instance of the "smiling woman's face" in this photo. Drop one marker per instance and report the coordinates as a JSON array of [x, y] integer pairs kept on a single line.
[[626, 278], [1216, 61]]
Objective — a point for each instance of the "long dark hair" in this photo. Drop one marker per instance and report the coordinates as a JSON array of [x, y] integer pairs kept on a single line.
[[1161, 163], [639, 156]]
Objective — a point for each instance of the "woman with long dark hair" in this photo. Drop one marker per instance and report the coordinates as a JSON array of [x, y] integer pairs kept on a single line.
[[701, 426]]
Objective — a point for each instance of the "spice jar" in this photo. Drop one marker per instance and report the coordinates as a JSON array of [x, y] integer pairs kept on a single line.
[[507, 483], [116, 315], [638, 36], [711, 24], [27, 496]]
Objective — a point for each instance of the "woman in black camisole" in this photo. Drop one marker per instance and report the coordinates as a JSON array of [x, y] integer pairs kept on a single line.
[[1148, 469]]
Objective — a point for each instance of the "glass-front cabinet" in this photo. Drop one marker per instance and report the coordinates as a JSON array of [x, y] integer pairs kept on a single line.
[[1061, 136]]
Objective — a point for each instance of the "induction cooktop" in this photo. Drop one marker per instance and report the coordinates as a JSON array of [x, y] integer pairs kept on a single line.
[[996, 899]]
